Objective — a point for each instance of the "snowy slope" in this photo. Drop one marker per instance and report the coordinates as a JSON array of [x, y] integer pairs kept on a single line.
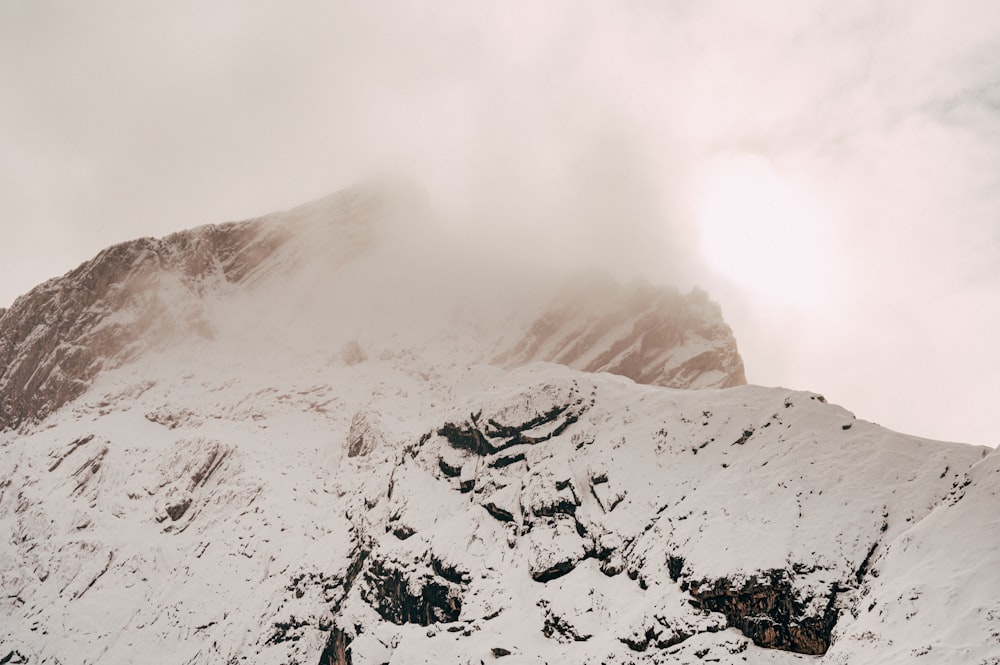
[[933, 595], [220, 514], [347, 470]]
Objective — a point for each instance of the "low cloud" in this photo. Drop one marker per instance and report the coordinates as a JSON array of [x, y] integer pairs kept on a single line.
[[565, 133]]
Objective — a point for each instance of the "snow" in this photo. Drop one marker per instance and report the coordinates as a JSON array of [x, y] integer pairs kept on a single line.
[[98, 571]]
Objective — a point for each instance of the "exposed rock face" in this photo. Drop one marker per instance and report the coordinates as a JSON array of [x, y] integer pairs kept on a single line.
[[405, 596], [140, 295], [55, 339], [651, 335], [767, 609], [364, 434], [186, 479], [336, 651], [492, 436]]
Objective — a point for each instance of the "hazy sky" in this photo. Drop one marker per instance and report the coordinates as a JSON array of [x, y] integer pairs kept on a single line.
[[829, 171]]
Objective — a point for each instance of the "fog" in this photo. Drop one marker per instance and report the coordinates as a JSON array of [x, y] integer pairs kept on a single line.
[[829, 172]]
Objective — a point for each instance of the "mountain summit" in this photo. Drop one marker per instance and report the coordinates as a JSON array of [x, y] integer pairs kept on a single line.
[[333, 436], [153, 293]]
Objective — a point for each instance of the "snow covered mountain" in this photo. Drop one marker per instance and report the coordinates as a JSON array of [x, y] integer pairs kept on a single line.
[[330, 436]]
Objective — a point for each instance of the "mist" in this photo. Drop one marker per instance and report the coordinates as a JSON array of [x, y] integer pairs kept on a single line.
[[829, 173]]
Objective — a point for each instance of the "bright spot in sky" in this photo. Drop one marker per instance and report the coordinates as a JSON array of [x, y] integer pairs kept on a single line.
[[765, 233]]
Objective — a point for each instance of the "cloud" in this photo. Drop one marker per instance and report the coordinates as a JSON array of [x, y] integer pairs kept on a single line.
[[565, 132]]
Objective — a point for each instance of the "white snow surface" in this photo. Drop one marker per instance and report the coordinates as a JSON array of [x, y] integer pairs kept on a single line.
[[97, 569]]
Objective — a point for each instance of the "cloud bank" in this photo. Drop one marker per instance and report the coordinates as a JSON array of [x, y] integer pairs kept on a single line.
[[830, 172]]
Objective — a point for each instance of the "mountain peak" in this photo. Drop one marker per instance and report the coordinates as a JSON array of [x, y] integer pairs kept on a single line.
[[332, 254]]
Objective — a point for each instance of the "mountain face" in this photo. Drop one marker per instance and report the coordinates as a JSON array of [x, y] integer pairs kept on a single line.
[[150, 293], [327, 436]]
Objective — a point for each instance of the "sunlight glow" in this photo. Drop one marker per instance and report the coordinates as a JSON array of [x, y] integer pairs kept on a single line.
[[765, 233]]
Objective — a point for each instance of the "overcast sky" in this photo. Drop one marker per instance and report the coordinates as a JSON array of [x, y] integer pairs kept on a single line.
[[829, 171]]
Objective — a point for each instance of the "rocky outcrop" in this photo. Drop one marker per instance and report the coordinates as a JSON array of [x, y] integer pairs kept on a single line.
[[142, 294], [517, 424], [768, 610], [336, 651], [56, 338], [364, 435], [402, 595], [13, 657], [653, 335], [196, 476]]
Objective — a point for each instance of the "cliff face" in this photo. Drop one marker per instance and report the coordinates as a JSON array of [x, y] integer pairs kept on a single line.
[[151, 293], [655, 336], [130, 297]]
